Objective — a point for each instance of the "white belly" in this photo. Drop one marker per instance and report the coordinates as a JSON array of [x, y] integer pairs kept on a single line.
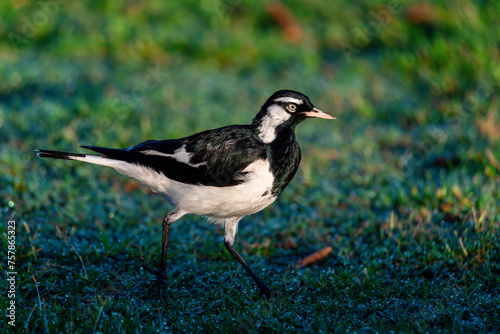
[[251, 196]]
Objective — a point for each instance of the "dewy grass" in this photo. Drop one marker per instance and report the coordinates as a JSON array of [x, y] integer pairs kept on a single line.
[[403, 187]]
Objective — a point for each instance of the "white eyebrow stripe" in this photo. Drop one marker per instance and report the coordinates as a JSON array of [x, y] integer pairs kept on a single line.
[[288, 100]]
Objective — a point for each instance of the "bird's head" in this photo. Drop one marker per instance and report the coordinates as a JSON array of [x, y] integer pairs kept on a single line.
[[285, 108]]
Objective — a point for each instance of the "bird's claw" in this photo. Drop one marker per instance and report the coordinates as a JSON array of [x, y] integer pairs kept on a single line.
[[160, 277], [266, 291]]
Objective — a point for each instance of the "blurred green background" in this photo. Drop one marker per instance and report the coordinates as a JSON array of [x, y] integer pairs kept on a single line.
[[404, 186]]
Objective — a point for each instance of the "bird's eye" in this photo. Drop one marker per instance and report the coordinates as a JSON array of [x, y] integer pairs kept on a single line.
[[291, 107]]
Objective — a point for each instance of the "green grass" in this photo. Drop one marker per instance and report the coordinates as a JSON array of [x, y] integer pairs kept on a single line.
[[404, 186]]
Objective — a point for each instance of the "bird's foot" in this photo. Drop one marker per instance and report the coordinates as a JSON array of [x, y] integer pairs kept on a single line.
[[266, 291], [160, 276]]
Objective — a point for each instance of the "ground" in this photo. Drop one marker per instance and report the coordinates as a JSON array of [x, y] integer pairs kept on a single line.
[[404, 185]]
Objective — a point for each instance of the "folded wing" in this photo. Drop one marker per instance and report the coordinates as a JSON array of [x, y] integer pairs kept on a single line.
[[212, 158]]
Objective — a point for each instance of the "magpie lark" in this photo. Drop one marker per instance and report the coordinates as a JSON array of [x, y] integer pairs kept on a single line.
[[223, 174]]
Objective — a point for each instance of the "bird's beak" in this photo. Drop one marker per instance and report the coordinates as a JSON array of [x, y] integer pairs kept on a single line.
[[318, 114]]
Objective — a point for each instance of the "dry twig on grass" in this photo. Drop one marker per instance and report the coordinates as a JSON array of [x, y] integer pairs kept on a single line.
[[315, 257]]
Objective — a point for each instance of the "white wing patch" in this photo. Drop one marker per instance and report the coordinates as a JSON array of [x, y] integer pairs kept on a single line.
[[180, 154], [275, 116]]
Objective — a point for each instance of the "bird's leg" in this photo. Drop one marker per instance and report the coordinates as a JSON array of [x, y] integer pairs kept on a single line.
[[164, 247], [231, 225], [264, 289], [160, 274]]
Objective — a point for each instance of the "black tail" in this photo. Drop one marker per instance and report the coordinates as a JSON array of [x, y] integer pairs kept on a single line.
[[112, 153], [57, 154]]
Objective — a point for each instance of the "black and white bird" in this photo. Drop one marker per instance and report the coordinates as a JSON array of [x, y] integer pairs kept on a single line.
[[223, 174]]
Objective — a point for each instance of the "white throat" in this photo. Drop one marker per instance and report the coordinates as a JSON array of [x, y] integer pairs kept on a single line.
[[275, 116]]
